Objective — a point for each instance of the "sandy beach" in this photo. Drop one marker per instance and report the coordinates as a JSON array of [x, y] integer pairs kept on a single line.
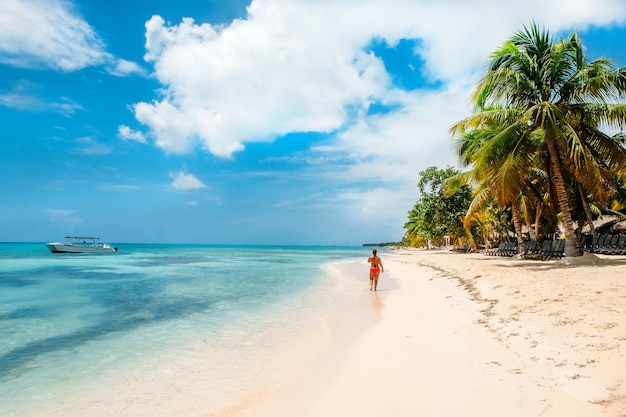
[[467, 334]]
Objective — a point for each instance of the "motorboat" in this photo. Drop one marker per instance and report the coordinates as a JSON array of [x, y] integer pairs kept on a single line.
[[80, 244]]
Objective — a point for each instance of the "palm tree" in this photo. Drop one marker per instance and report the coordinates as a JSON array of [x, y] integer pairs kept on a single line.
[[500, 160], [412, 226], [555, 101]]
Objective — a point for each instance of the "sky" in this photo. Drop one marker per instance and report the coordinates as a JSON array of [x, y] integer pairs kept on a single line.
[[273, 122]]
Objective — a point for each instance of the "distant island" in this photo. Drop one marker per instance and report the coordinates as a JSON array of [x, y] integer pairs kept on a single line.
[[383, 244]]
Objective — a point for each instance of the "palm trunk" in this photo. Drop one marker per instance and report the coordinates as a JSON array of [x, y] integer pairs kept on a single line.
[[531, 232], [538, 213], [583, 198], [517, 223], [571, 240]]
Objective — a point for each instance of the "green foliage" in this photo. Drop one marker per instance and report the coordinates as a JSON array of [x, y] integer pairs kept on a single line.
[[535, 141], [437, 214], [534, 149]]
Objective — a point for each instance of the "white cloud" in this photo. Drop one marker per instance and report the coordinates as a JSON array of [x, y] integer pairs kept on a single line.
[[90, 146], [47, 33], [182, 181], [23, 100], [127, 133], [171, 127], [123, 68], [51, 34], [255, 80], [299, 66], [120, 187], [64, 216]]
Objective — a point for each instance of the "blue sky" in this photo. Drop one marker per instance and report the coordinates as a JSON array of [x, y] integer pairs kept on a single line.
[[236, 122]]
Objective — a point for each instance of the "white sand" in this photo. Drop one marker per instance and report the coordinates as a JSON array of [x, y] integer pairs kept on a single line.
[[467, 334]]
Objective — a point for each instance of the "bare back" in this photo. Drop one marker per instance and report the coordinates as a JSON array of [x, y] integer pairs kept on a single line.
[[374, 261]]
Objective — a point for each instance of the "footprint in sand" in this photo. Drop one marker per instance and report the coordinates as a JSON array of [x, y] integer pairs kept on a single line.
[[606, 325], [601, 347], [566, 321]]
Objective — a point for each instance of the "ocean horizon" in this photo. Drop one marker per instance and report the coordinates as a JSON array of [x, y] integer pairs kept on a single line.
[[199, 325]]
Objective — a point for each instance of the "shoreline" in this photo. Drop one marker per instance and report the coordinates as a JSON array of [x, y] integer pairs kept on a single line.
[[460, 333], [446, 334]]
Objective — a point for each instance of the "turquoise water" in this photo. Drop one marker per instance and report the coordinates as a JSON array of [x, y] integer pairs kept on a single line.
[[72, 324]]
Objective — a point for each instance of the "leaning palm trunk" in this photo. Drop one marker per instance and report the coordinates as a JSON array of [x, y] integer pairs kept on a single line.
[[571, 240], [538, 213], [517, 223], [588, 216]]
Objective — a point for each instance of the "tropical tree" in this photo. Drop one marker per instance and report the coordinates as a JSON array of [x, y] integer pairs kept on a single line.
[[500, 160], [547, 98], [437, 214], [489, 224]]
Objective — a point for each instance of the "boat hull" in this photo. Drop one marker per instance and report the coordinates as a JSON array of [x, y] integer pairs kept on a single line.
[[64, 247]]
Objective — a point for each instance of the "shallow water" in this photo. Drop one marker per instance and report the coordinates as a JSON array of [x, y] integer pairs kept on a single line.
[[156, 329]]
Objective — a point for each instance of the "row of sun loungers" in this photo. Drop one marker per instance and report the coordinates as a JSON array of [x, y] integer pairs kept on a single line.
[[505, 249], [604, 244], [555, 248], [464, 248], [549, 249]]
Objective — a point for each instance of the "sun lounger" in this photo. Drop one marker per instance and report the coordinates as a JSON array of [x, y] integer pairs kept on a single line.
[[464, 248], [491, 251], [549, 249], [587, 242], [609, 243], [511, 250], [557, 249], [613, 245], [538, 254], [603, 242], [592, 246], [504, 249], [620, 248], [531, 246]]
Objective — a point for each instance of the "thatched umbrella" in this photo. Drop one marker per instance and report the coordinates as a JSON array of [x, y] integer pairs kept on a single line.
[[618, 227], [604, 224]]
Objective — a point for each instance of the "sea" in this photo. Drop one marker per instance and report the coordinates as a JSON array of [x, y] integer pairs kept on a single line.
[[162, 330]]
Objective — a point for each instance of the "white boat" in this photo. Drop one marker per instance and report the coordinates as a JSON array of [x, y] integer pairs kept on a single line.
[[80, 244]]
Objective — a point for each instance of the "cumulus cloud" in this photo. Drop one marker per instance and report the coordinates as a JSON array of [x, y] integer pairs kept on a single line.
[[251, 81], [127, 133], [183, 181], [301, 66]]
